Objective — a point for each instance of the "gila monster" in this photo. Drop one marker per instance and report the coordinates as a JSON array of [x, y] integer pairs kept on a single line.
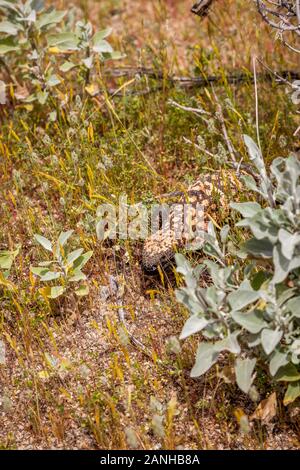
[[212, 191]]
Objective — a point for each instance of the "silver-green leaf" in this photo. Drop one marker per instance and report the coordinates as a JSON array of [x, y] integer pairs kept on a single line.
[[44, 242], [206, 356], [243, 371], [270, 339], [193, 325]]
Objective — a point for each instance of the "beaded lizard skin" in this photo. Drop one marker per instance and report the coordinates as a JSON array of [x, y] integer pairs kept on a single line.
[[212, 191]]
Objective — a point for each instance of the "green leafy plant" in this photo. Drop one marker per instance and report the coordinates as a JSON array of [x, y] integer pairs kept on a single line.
[[252, 307], [34, 42], [64, 269], [7, 259]]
